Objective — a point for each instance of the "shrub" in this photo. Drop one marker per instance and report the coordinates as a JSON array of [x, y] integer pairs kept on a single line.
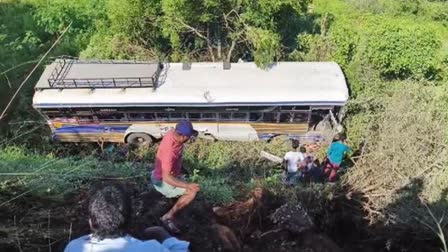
[[405, 157], [45, 173], [346, 41], [216, 188], [104, 45], [401, 51], [373, 6], [312, 47], [266, 44]]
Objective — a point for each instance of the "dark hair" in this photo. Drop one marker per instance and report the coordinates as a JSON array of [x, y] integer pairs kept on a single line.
[[295, 143], [109, 211], [339, 137], [302, 149]]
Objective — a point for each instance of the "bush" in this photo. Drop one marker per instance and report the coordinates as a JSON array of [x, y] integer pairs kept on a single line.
[[372, 6], [397, 49], [312, 47], [346, 41], [216, 189], [401, 51], [405, 157], [398, 46], [43, 174], [104, 45]]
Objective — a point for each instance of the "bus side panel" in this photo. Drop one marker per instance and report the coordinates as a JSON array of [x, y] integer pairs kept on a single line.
[[159, 129], [237, 132], [266, 131], [207, 130], [89, 133], [156, 130]]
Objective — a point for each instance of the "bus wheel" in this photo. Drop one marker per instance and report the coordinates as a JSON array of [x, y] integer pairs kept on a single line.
[[139, 139]]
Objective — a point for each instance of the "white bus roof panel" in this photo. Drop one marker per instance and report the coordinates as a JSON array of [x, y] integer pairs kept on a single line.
[[205, 84]]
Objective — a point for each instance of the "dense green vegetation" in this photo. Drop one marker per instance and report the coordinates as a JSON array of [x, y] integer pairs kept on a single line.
[[394, 54]]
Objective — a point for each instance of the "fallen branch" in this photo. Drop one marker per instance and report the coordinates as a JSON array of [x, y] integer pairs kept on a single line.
[[271, 157]]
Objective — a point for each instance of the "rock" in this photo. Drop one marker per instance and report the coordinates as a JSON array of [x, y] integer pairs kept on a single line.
[[227, 237], [320, 242], [292, 218], [238, 213]]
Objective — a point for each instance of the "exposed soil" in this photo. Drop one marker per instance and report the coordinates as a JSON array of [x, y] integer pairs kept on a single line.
[[261, 222]]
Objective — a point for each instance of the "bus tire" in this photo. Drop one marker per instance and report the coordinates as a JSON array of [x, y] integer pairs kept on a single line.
[[139, 139]]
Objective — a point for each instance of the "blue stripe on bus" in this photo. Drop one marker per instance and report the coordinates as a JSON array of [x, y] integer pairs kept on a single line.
[[217, 104], [91, 129]]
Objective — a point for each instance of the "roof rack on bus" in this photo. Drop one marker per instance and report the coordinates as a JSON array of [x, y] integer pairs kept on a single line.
[[69, 73]]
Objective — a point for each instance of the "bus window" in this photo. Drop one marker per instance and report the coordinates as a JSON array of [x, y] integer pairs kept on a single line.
[[301, 116], [225, 116], [255, 116], [177, 115], [208, 117], [239, 116], [111, 117], [84, 119], [194, 116], [286, 117], [294, 108], [53, 116], [270, 117], [163, 116], [287, 108], [142, 116]]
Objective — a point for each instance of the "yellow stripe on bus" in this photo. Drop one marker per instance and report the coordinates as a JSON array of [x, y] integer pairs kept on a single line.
[[58, 124]]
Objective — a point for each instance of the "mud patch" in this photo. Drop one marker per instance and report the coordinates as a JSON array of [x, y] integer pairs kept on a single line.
[[263, 221]]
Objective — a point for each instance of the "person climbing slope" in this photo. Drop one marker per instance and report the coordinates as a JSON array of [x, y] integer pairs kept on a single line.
[[335, 155], [167, 172]]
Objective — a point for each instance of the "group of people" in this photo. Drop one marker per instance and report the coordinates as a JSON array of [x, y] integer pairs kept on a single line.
[[300, 165], [109, 207]]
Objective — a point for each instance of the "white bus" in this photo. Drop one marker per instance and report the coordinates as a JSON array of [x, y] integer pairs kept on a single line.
[[138, 102]]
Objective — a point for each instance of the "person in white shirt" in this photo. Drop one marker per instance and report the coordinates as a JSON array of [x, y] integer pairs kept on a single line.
[[292, 160], [109, 212]]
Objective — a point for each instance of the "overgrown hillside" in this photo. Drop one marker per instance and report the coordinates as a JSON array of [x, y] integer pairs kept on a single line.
[[394, 54]]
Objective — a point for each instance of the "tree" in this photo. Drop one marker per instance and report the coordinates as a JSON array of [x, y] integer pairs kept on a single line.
[[227, 29]]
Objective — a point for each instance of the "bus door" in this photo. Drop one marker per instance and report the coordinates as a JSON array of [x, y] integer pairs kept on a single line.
[[319, 116]]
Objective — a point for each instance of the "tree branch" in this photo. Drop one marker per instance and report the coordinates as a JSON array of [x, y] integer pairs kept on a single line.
[[229, 53], [237, 35], [199, 34], [194, 30]]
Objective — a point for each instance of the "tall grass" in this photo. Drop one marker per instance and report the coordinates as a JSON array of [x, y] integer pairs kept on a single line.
[[48, 175]]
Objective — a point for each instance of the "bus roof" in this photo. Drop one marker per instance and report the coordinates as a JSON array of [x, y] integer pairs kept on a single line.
[[203, 84]]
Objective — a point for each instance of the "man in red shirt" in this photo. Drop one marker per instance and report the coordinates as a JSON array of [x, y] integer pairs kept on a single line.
[[167, 171]]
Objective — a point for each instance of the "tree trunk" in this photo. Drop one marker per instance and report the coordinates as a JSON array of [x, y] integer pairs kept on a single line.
[[229, 54], [209, 46]]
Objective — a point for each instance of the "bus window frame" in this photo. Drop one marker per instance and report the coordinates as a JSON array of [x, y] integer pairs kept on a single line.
[[124, 117], [195, 119], [246, 118], [143, 119], [259, 118], [229, 119], [178, 118], [162, 120], [214, 114], [215, 119]]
